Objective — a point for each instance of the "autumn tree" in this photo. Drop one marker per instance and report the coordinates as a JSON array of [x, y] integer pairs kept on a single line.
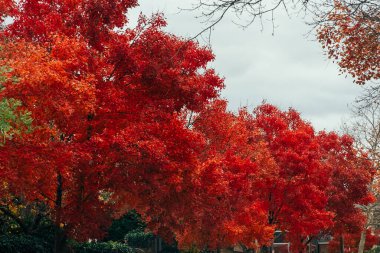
[[364, 126], [106, 108], [295, 194], [297, 180], [269, 169], [351, 172], [350, 35], [233, 164], [352, 242], [108, 130], [321, 177]]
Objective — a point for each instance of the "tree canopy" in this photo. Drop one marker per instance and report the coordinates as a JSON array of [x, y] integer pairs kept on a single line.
[[98, 118]]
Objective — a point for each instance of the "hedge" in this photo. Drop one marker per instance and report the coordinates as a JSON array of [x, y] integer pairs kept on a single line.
[[31, 244], [23, 244], [139, 239], [101, 247]]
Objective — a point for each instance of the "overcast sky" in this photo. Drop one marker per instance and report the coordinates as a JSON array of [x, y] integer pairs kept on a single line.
[[287, 69]]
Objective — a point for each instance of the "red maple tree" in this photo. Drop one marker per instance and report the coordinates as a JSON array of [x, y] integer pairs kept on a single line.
[[106, 106], [111, 132], [351, 241], [232, 164], [351, 172], [351, 37], [295, 194]]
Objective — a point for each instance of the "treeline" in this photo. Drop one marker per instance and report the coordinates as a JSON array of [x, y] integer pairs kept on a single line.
[[98, 119]]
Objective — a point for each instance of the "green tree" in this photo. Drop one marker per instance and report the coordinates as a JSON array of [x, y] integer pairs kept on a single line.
[[131, 221], [12, 119]]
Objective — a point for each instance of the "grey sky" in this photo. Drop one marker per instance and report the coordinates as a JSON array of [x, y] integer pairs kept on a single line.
[[287, 69]]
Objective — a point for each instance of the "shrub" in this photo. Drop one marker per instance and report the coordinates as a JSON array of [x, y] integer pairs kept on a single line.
[[102, 247], [375, 249], [139, 239], [23, 244], [130, 222]]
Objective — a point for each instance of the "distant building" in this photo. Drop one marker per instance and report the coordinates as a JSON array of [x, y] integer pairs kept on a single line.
[[319, 245], [280, 245]]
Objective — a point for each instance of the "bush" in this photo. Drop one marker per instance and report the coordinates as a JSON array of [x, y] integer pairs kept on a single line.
[[23, 244], [130, 222], [101, 247], [375, 249], [139, 239]]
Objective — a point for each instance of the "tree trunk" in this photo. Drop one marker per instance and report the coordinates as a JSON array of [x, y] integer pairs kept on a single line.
[[363, 235], [60, 239], [244, 248], [266, 249], [341, 243]]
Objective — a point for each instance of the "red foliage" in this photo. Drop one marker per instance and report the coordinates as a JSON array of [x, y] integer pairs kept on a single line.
[[233, 162], [6, 6], [295, 194], [351, 172], [271, 170], [351, 242], [352, 39], [108, 132], [93, 20], [111, 132]]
